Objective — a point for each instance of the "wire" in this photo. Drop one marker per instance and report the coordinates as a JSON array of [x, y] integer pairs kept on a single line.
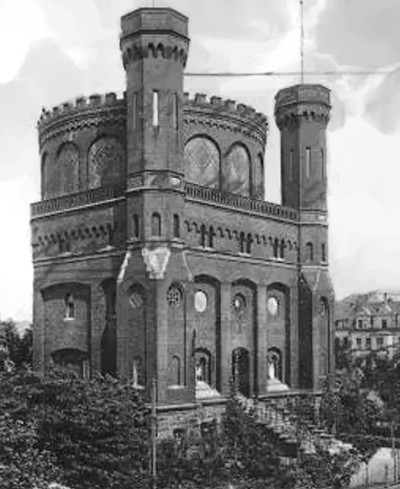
[[289, 73], [301, 42]]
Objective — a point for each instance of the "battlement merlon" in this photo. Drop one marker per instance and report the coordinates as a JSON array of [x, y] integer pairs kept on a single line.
[[80, 104], [111, 108]]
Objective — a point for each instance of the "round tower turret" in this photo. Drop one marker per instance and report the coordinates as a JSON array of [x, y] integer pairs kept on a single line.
[[302, 115]]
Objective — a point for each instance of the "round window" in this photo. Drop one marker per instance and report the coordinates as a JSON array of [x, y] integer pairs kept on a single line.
[[200, 301], [273, 306], [239, 303]]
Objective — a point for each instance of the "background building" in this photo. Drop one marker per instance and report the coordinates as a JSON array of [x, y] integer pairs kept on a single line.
[[368, 323], [155, 254]]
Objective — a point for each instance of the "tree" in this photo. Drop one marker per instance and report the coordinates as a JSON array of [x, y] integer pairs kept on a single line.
[[93, 431], [19, 347]]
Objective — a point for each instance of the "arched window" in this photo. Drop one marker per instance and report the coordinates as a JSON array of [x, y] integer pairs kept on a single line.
[[69, 307], [174, 296], [274, 362], [203, 365], [156, 224], [258, 191], [323, 252], [323, 306], [249, 240], [44, 175], [309, 252], [282, 249], [202, 162], [105, 157], [242, 242], [236, 171], [136, 296], [137, 372], [211, 234], [203, 234], [67, 167], [175, 371], [276, 248], [176, 225], [136, 228]]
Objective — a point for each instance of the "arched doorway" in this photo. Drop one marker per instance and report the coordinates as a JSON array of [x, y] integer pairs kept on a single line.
[[241, 370], [73, 360]]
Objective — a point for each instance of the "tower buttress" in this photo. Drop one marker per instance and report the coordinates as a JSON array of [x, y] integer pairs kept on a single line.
[[154, 47], [302, 114]]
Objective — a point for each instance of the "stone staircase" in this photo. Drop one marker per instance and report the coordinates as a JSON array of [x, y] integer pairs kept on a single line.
[[294, 433]]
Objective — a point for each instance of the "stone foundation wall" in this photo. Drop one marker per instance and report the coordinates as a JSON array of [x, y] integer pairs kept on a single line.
[[188, 417]]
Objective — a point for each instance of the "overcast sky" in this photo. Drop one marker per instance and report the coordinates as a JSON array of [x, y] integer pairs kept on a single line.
[[54, 50]]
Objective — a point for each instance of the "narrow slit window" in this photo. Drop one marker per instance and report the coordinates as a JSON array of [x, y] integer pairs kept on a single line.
[[134, 110], [175, 111], [248, 244], [156, 224], [136, 231], [155, 108], [176, 226], [309, 252], [291, 166], [323, 252], [308, 162], [322, 164], [211, 235]]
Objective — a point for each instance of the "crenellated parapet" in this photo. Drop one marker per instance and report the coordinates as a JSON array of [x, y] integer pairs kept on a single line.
[[302, 102], [85, 112], [142, 37], [216, 112]]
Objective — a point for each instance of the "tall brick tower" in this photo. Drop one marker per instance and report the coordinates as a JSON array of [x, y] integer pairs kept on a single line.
[[154, 47], [302, 115]]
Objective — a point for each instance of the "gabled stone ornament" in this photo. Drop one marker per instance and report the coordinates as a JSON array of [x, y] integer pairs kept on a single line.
[[156, 261]]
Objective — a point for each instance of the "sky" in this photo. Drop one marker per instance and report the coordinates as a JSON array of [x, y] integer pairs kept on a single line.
[[54, 50]]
